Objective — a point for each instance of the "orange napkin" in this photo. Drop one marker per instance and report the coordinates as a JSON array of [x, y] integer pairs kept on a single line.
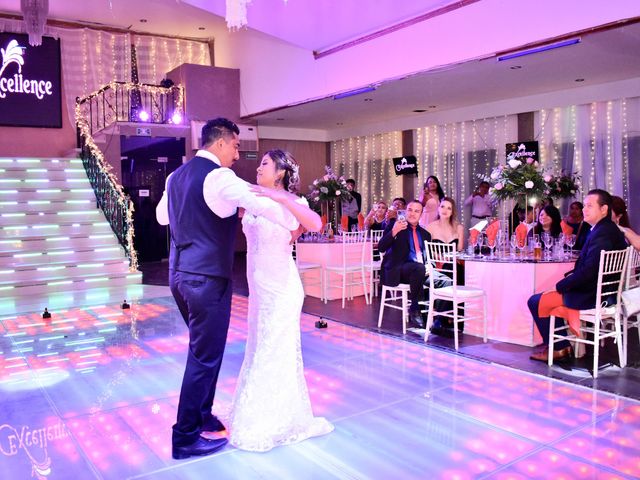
[[521, 234], [492, 232], [360, 221], [473, 235], [323, 219], [566, 228], [344, 221]]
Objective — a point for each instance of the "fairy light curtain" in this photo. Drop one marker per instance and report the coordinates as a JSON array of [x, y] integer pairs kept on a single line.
[[459, 153], [157, 56], [93, 58], [369, 161], [596, 140]]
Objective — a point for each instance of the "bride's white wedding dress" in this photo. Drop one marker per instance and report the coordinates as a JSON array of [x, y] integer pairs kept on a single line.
[[271, 404]]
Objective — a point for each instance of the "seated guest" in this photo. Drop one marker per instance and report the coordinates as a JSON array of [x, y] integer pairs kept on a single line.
[[397, 204], [447, 229], [578, 289], [403, 246], [480, 202], [576, 221], [619, 213], [549, 222], [376, 218]]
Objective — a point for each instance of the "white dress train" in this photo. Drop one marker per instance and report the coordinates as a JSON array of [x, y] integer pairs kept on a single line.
[[271, 405]]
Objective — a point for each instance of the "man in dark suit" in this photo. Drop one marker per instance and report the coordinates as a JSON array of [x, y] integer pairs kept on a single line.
[[578, 289], [200, 203], [403, 262]]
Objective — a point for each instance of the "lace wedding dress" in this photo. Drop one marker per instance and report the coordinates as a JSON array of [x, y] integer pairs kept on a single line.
[[271, 404]]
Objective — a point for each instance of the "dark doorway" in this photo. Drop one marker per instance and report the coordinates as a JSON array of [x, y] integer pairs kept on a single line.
[[146, 163]]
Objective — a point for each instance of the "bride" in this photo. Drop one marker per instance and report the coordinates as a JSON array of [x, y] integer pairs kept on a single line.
[[271, 405]]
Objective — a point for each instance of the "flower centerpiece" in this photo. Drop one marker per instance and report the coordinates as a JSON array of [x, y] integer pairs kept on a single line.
[[564, 185], [517, 178], [326, 192]]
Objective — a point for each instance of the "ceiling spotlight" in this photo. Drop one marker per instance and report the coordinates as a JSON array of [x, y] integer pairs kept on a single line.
[[579, 80], [280, 119], [143, 20], [143, 115], [515, 67], [201, 28], [339, 123], [432, 106], [419, 110]]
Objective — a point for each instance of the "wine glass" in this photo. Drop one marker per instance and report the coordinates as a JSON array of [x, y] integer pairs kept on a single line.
[[491, 243], [571, 241], [514, 244], [547, 239]]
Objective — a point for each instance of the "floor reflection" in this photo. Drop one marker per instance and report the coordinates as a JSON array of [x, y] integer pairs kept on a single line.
[[92, 393]]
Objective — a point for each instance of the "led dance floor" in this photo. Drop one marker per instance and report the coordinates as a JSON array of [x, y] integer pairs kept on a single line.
[[92, 393]]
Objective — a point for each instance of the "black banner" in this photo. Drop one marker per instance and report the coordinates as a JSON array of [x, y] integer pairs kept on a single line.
[[407, 165], [30, 85], [523, 151]]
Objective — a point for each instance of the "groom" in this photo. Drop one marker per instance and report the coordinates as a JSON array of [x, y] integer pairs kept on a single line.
[[200, 203]]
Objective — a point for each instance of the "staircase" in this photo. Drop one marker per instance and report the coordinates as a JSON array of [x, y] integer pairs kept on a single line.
[[52, 237]]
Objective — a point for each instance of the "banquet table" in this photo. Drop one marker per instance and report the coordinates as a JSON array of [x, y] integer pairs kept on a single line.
[[508, 283], [326, 253]]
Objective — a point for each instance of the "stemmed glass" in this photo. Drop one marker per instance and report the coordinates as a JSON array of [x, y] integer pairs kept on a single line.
[[547, 239], [571, 241], [490, 244], [514, 244]]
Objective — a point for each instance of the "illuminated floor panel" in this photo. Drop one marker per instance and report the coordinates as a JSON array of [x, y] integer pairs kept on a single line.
[[92, 393]]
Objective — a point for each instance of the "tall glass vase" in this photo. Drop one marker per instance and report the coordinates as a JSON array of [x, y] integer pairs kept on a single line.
[[331, 211]]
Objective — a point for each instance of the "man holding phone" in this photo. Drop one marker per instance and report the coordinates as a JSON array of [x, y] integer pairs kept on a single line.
[[404, 259]]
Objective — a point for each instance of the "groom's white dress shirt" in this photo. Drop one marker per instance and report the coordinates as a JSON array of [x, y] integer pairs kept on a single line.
[[224, 193]]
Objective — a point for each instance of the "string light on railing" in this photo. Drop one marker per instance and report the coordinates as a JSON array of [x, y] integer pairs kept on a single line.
[[625, 153], [576, 151], [609, 182], [592, 146], [543, 140], [556, 141]]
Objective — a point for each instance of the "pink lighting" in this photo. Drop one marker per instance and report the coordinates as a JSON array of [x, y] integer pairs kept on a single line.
[[143, 115], [176, 118]]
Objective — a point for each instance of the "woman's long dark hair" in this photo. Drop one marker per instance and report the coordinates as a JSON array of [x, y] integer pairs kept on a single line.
[[619, 207], [285, 161], [439, 190], [554, 213]]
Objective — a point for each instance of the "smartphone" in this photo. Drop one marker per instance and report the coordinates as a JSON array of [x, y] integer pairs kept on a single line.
[[402, 215]]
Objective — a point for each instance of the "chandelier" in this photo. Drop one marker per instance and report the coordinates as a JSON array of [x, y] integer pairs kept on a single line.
[[236, 15], [35, 17]]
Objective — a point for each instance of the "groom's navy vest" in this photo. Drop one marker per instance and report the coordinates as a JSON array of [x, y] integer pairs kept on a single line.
[[201, 242]]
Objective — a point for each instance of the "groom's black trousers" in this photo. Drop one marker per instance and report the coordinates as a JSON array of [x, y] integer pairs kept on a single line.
[[205, 305]]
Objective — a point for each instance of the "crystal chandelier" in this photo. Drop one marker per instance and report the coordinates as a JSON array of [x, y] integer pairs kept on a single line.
[[35, 17], [236, 15]]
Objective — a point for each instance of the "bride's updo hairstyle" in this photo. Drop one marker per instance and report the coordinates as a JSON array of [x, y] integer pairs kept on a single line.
[[285, 161]]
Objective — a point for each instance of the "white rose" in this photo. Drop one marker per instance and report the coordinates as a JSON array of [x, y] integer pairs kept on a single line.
[[338, 192], [315, 182], [513, 163], [498, 186], [547, 178], [317, 199], [528, 184], [495, 174]]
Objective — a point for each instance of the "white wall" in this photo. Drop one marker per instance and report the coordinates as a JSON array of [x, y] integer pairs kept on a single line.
[[276, 74]]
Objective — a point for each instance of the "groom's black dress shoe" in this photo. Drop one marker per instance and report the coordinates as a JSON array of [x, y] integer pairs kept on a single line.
[[202, 446], [213, 425]]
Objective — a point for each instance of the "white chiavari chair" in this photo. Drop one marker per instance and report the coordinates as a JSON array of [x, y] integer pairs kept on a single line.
[[603, 321], [311, 274], [631, 299], [351, 270]]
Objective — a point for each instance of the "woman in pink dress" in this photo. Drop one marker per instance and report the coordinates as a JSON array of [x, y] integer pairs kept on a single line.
[[430, 198]]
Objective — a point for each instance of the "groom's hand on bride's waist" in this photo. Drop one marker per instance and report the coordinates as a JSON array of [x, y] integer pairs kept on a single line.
[[295, 234]]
